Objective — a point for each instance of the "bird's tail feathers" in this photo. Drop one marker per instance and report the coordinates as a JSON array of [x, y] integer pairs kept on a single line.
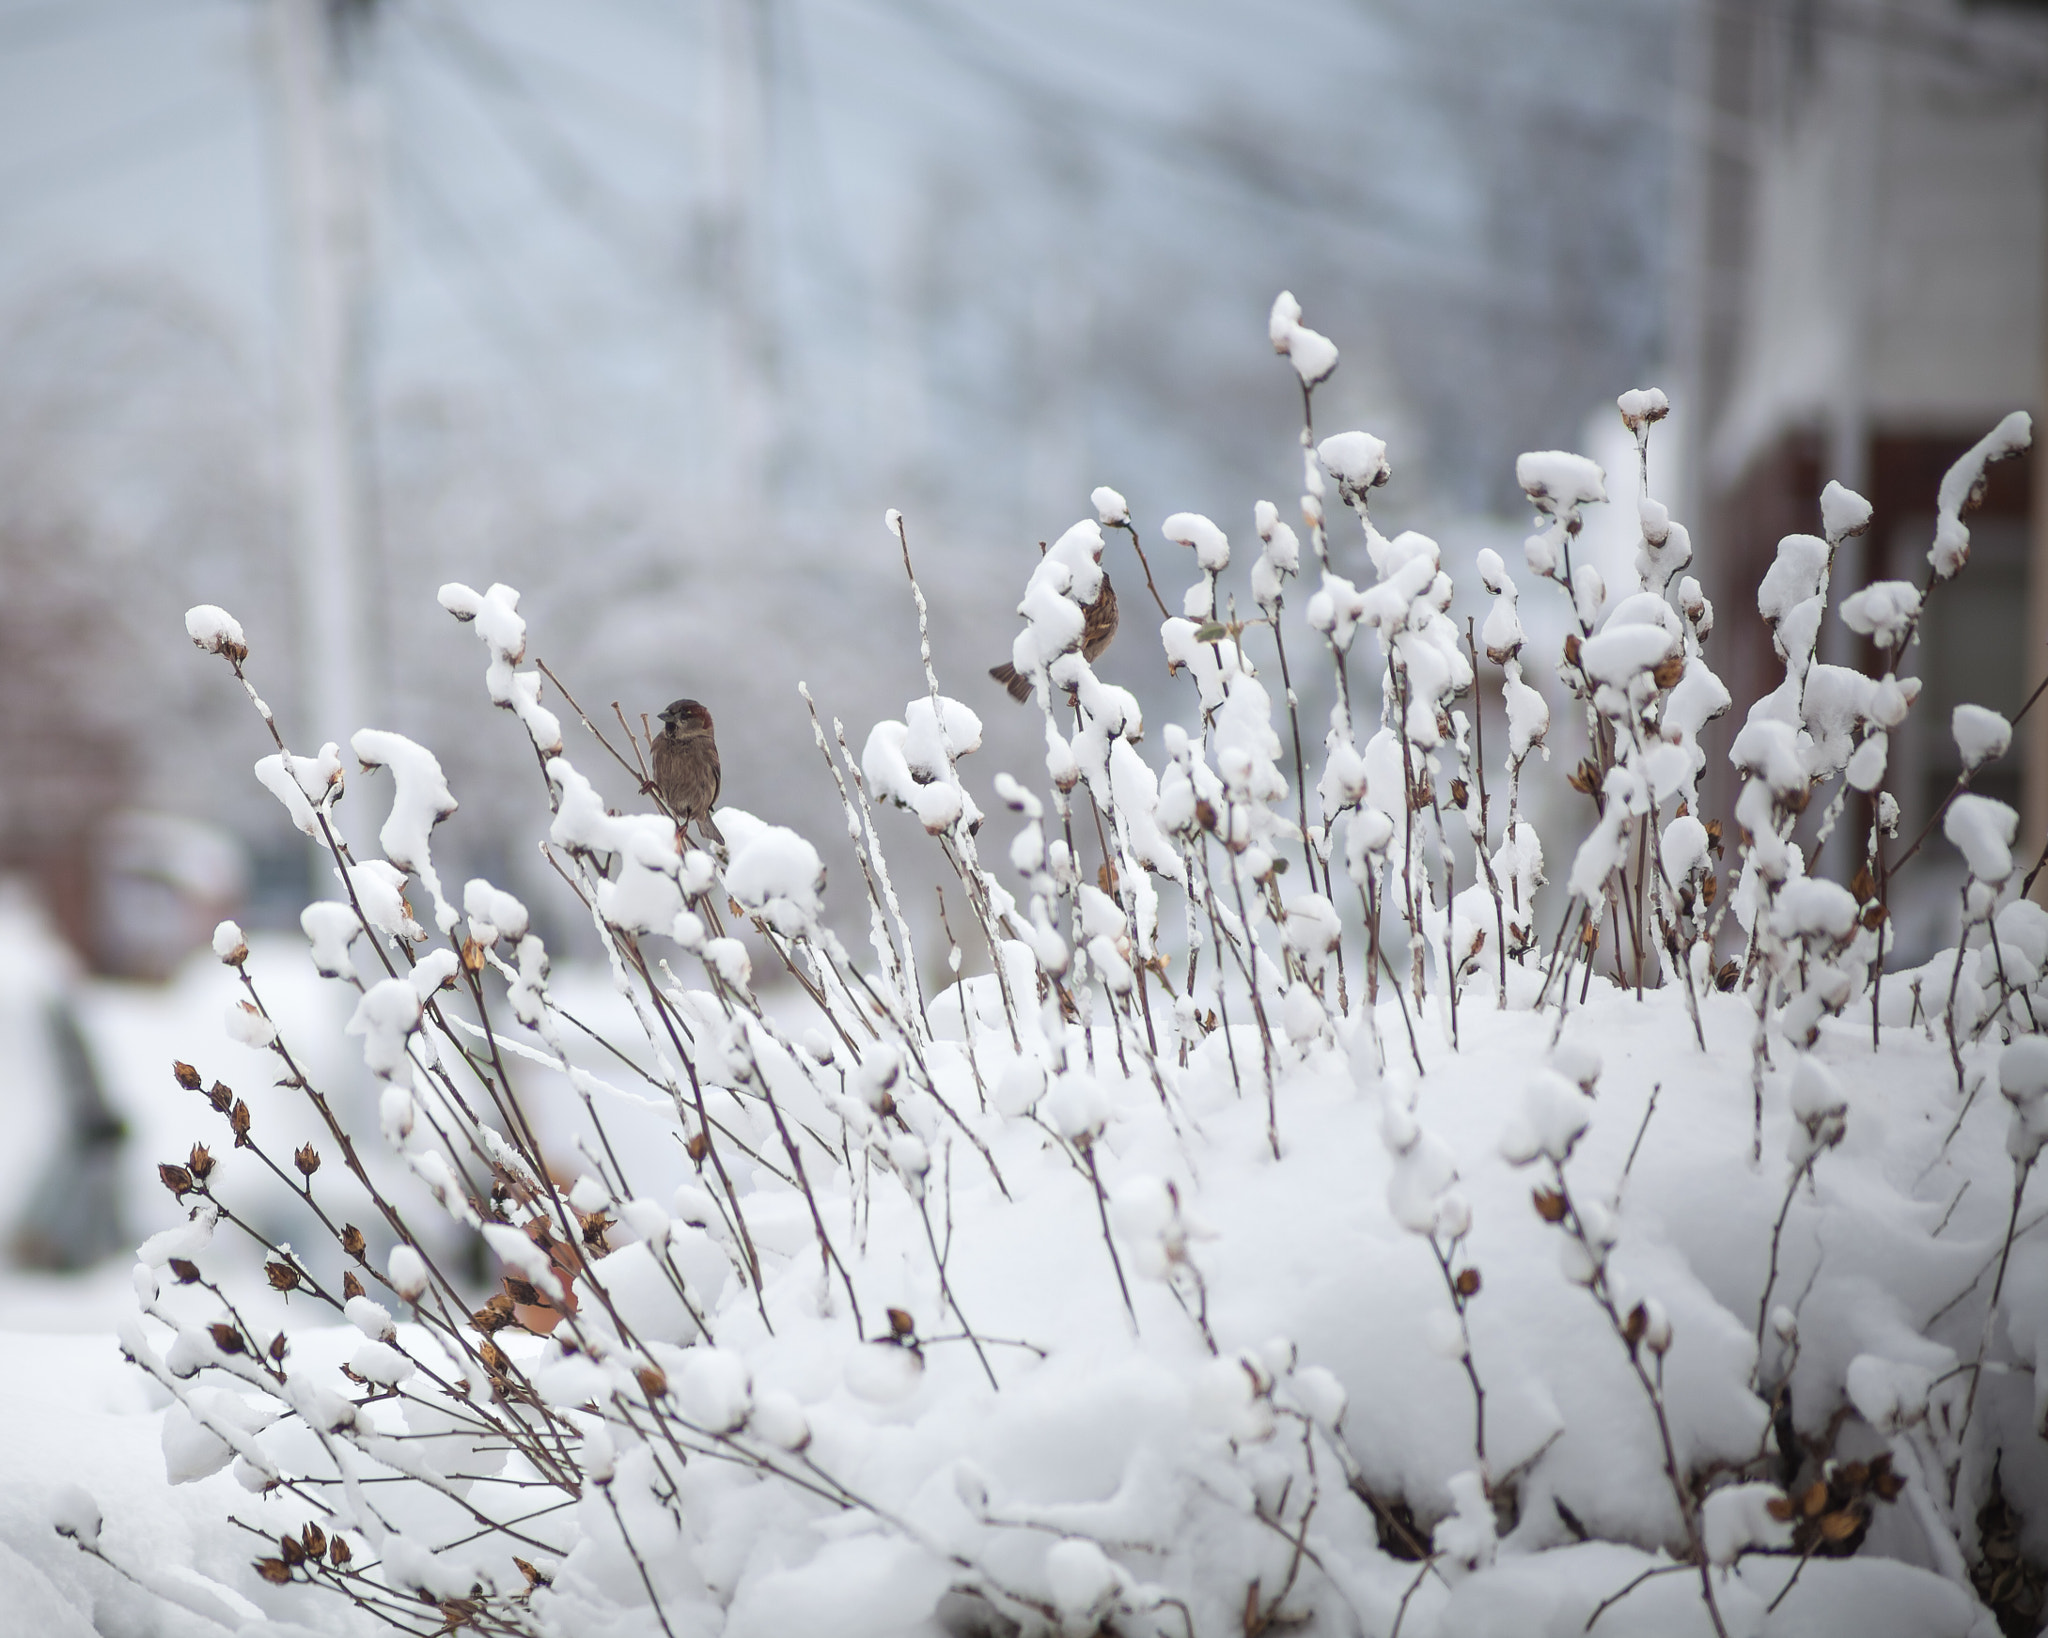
[[1019, 686]]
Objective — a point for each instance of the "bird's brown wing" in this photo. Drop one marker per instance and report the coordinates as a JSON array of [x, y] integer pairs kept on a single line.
[[1100, 624], [1019, 686], [665, 772]]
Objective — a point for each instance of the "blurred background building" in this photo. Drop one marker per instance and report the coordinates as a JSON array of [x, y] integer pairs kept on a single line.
[[1862, 296]]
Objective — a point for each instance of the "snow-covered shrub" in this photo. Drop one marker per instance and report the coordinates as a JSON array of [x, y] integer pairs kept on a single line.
[[1241, 1249]]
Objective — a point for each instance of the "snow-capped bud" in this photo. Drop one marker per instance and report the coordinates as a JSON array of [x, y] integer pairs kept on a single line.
[[216, 631], [229, 944], [408, 1271]]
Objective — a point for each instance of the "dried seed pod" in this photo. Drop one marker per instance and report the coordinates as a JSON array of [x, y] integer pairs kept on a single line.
[[188, 1077], [279, 1348], [901, 1324], [176, 1179], [293, 1553], [338, 1552], [274, 1570], [352, 1241], [187, 1272], [221, 1096], [1550, 1205], [1468, 1282], [314, 1540], [239, 1120], [225, 1337], [653, 1381], [282, 1276], [307, 1159], [351, 1286], [200, 1161]]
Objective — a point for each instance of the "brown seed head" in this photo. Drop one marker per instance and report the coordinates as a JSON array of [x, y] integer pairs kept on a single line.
[[188, 1077], [338, 1551], [274, 1570], [352, 1241], [200, 1162], [176, 1179], [225, 1337], [350, 1285], [1468, 1282], [282, 1276], [307, 1159], [221, 1097], [187, 1272], [1550, 1205]]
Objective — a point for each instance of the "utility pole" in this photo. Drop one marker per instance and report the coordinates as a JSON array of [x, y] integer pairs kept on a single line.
[[735, 66], [324, 208]]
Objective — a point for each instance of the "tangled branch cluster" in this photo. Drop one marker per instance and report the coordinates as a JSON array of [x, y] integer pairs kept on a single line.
[[1019, 1306]]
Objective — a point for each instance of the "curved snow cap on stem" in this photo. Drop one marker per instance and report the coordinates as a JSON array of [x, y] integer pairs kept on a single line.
[[1981, 735], [1212, 547], [910, 764], [503, 630], [775, 873], [308, 782], [1883, 611], [1642, 406], [1313, 356], [420, 800], [1843, 513], [1963, 486], [216, 631], [1357, 460], [1067, 579], [1279, 562], [1558, 483], [1982, 830]]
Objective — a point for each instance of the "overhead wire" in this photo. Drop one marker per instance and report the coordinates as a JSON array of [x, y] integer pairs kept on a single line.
[[147, 139], [65, 22], [1205, 157], [538, 141]]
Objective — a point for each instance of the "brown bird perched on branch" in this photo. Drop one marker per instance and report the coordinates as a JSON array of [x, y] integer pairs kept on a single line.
[[1098, 626], [686, 766]]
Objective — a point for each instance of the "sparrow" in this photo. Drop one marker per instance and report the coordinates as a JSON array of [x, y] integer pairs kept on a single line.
[[686, 766], [1098, 626]]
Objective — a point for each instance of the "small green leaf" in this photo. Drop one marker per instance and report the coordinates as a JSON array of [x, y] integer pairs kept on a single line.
[[1211, 631]]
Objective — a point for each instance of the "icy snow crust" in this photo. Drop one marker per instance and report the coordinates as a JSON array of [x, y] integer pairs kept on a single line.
[[1109, 1290]]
